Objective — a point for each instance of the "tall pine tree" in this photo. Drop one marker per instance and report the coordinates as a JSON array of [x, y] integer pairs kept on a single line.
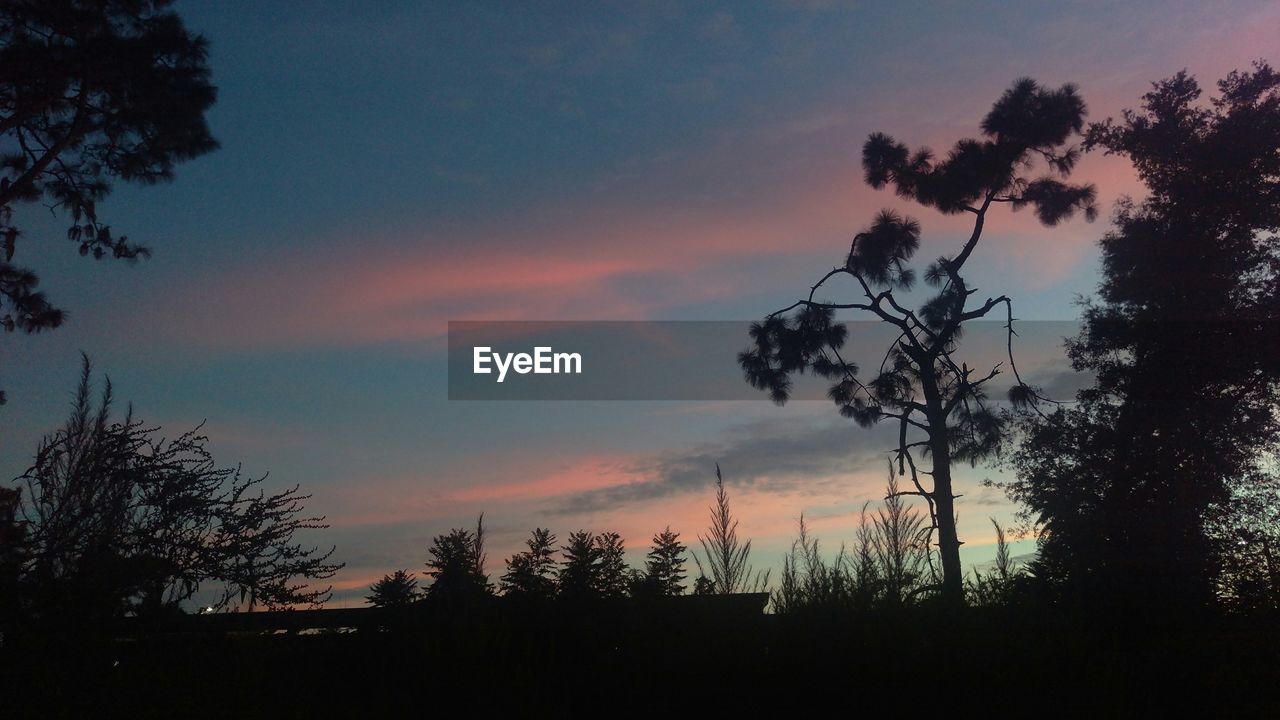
[[937, 401], [665, 563]]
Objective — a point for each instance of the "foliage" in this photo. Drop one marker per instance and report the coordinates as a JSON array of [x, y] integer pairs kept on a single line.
[[1181, 342], [121, 520], [531, 572], [13, 537], [809, 582], [901, 548], [1245, 532], [997, 586], [612, 577], [890, 566], [703, 585], [579, 569], [664, 566], [726, 561], [938, 402], [456, 564], [399, 589], [91, 91]]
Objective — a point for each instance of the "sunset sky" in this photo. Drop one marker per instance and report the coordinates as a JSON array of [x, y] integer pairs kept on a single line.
[[386, 169]]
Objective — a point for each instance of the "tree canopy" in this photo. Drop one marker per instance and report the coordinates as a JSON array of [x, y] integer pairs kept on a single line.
[[91, 91], [531, 572], [456, 564], [398, 589], [1182, 342]]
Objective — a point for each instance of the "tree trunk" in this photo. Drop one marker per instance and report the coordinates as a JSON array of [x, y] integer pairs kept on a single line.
[[948, 539], [942, 495]]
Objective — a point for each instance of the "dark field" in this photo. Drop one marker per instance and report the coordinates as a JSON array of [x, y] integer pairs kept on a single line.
[[561, 663]]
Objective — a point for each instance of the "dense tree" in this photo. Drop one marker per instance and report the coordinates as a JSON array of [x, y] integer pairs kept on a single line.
[[1245, 534], [531, 572], [399, 589], [612, 575], [577, 576], [1182, 341], [456, 564], [121, 520], [91, 91], [725, 561], [938, 402], [664, 565]]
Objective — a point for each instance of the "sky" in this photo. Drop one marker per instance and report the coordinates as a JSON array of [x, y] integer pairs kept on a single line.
[[390, 167]]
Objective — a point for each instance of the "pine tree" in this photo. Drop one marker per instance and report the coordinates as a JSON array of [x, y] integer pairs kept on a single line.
[[90, 93], [578, 574], [456, 563], [398, 589], [531, 572], [665, 564], [937, 402], [612, 575]]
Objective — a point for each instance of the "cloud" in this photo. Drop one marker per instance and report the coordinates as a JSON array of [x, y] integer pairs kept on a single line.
[[607, 261], [764, 457], [1057, 380]]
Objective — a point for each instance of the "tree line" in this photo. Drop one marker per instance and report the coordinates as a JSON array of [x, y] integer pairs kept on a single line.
[[591, 566]]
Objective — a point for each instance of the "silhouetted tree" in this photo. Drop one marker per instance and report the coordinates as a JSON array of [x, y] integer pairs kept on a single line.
[[664, 567], [725, 561], [612, 575], [399, 589], [456, 564], [576, 576], [123, 520], [532, 572], [91, 91], [938, 402], [1183, 344], [703, 585]]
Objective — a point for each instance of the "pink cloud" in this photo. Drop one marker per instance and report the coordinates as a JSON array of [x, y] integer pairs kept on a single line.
[[790, 190], [402, 288]]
